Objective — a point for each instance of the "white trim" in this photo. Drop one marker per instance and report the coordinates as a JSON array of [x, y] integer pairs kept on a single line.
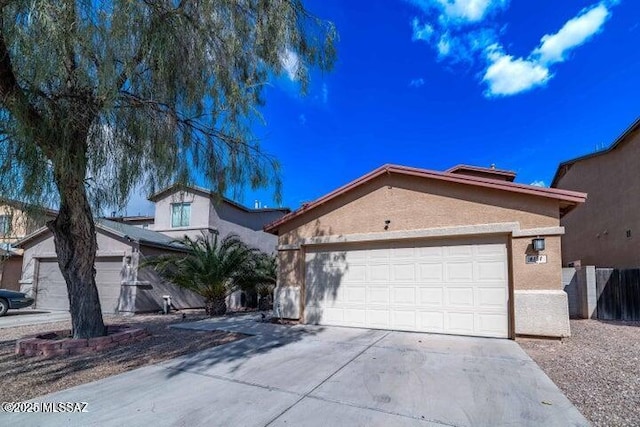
[[512, 228], [544, 231]]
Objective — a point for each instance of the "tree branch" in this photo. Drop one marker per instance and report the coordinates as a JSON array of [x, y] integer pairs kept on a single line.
[[13, 97]]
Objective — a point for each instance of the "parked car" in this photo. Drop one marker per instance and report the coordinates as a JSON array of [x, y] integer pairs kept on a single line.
[[12, 300]]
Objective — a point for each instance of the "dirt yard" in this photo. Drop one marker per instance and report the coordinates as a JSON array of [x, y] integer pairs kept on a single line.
[[27, 377], [598, 368]]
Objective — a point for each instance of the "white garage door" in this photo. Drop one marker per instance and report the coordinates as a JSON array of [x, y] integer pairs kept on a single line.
[[51, 289], [453, 289]]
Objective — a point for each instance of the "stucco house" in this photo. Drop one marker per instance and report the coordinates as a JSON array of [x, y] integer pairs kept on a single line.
[[17, 220], [123, 285], [605, 231], [465, 251], [123, 242], [187, 210]]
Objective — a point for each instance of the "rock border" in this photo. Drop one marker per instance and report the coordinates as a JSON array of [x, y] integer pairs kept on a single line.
[[48, 345]]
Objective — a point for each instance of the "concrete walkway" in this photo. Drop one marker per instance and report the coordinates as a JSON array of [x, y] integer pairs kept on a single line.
[[315, 376]]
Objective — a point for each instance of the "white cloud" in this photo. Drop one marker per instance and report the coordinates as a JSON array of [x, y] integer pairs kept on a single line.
[[538, 183], [553, 47], [444, 45], [470, 10], [290, 63], [460, 11], [466, 31], [417, 82], [302, 119], [325, 93], [507, 75], [421, 31]]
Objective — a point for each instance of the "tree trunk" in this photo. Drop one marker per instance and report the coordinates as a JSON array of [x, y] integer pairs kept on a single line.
[[216, 306], [75, 240]]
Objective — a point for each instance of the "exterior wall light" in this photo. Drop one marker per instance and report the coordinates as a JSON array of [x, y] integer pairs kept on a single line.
[[538, 244]]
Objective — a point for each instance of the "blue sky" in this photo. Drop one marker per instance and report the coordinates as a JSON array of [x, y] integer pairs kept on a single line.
[[433, 83]]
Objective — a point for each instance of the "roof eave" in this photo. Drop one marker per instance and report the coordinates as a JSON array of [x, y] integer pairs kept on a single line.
[[568, 163], [571, 197]]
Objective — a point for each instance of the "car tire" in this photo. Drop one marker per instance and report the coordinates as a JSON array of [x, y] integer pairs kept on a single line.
[[4, 306]]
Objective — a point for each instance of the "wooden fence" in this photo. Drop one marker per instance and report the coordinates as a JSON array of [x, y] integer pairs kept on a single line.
[[618, 294]]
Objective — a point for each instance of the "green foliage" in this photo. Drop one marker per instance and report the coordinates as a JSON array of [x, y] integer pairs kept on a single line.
[[265, 273], [149, 91], [212, 267]]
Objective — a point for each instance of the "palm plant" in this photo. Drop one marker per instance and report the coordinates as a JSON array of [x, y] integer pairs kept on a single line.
[[212, 267], [262, 278]]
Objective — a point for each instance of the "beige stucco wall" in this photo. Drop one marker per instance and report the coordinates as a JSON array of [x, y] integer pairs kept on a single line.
[[412, 204], [536, 276], [199, 214], [596, 231]]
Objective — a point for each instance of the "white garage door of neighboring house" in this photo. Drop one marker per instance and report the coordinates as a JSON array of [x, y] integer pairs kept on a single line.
[[51, 289], [459, 289]]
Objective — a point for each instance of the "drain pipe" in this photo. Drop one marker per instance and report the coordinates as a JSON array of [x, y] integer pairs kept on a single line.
[[166, 304]]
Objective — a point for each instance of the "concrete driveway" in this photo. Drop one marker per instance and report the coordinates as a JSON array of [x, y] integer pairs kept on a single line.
[[315, 376], [29, 316]]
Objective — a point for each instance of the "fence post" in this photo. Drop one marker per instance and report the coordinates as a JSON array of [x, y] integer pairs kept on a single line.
[[591, 297]]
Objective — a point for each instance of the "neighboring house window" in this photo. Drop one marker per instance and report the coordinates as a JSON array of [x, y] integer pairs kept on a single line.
[[5, 224], [180, 214]]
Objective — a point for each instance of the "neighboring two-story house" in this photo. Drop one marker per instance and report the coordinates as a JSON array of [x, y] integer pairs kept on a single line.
[[190, 211], [16, 221], [604, 231], [124, 283]]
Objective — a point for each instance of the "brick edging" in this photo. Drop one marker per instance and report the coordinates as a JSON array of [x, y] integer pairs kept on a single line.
[[45, 345]]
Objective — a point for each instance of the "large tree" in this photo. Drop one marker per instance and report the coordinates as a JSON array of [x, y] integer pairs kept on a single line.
[[99, 97]]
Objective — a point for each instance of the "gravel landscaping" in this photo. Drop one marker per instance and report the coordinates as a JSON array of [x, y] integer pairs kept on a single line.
[[598, 368], [27, 377]]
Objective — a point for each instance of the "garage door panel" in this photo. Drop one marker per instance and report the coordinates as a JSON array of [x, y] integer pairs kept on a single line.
[[355, 316], [462, 323], [332, 315], [402, 319], [490, 250], [403, 272], [352, 256], [431, 296], [378, 318], [459, 271], [465, 251], [490, 271], [460, 297], [404, 295], [379, 254], [379, 273], [431, 321], [491, 297], [356, 294], [402, 253], [378, 295], [447, 289], [492, 324], [430, 252], [431, 272], [355, 273]]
